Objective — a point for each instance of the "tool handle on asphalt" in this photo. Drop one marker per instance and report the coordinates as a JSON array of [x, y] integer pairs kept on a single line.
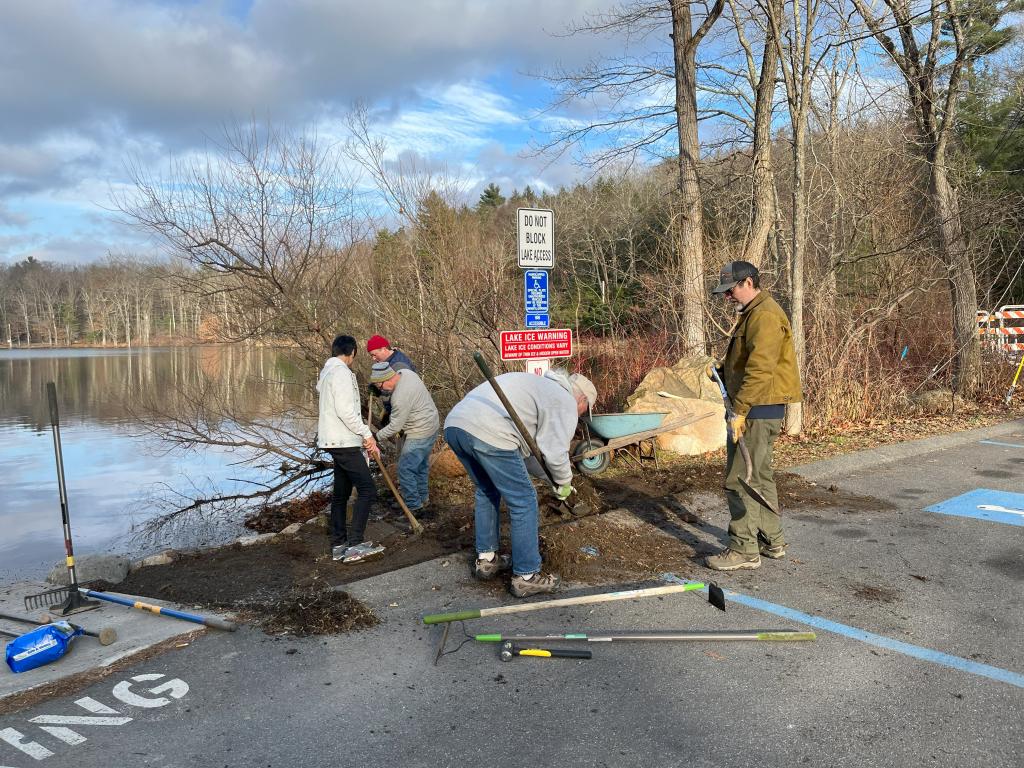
[[604, 597], [510, 650], [209, 621], [106, 636], [553, 653], [530, 442]]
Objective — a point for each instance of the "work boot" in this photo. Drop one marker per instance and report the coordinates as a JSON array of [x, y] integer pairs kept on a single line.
[[539, 584], [775, 552], [731, 560], [488, 569]]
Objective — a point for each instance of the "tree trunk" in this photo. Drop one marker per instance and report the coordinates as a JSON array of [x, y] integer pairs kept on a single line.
[[762, 201], [690, 219], [794, 414], [961, 279]]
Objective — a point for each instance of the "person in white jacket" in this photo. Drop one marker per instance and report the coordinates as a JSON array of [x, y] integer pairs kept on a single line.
[[342, 433]]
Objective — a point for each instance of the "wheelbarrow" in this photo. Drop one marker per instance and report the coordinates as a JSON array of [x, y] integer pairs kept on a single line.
[[605, 433]]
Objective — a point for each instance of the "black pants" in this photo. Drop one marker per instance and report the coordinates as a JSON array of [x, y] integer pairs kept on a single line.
[[350, 469]]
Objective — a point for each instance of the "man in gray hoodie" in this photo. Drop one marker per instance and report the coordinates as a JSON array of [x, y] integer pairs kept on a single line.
[[414, 413], [485, 439], [342, 433]]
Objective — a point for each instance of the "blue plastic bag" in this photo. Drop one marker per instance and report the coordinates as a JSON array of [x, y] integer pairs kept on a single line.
[[40, 646]]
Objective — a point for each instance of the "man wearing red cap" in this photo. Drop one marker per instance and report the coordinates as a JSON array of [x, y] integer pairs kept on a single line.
[[381, 351]]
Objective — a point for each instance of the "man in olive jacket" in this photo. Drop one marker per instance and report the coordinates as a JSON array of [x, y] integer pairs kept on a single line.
[[761, 377]]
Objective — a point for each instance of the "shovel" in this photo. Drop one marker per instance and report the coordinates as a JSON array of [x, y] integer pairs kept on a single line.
[[577, 509], [742, 445]]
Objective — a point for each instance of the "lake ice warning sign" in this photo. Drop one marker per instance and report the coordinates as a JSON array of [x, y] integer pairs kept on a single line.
[[536, 228], [534, 345]]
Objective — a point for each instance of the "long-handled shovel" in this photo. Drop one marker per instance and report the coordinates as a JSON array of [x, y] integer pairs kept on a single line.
[[530, 442], [755, 494]]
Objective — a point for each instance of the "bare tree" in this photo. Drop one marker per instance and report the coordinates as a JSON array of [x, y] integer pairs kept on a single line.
[[936, 41]]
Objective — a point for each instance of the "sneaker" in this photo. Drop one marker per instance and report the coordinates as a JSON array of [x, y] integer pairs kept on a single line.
[[338, 551], [776, 552], [361, 552], [731, 560], [540, 584], [488, 569]]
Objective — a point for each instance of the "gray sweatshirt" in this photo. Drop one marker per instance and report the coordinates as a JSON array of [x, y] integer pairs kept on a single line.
[[412, 408], [546, 409]]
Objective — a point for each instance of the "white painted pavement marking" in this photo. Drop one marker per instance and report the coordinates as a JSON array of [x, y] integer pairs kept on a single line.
[[997, 508], [79, 720], [102, 715], [64, 734], [17, 739]]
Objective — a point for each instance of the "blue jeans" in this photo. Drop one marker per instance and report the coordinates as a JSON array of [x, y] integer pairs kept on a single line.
[[500, 474], [414, 468]]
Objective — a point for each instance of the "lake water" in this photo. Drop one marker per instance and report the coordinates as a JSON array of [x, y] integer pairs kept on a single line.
[[117, 476]]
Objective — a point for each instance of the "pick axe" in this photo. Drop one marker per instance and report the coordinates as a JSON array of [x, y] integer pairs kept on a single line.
[[742, 445]]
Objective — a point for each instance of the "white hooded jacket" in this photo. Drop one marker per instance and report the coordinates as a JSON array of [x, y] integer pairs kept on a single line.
[[341, 421]]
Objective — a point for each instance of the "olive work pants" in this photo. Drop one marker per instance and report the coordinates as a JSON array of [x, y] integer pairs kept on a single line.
[[748, 517]]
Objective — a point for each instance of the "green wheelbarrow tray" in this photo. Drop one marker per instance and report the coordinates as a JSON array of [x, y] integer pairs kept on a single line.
[[613, 425], [618, 430]]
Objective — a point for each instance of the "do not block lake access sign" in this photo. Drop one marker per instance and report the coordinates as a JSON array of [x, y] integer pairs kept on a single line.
[[534, 345], [536, 230]]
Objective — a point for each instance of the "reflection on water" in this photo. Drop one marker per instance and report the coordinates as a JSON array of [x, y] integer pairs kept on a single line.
[[113, 472]]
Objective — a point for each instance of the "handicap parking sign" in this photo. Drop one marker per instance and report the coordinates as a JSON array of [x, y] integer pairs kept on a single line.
[[536, 291]]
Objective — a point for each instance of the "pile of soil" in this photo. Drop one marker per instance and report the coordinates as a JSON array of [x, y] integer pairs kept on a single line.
[[316, 609]]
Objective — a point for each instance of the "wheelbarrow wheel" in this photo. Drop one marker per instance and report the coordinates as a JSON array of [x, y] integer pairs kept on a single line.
[[593, 465]]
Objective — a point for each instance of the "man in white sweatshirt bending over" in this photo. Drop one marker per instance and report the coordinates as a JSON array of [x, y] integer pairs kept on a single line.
[[342, 433], [481, 433]]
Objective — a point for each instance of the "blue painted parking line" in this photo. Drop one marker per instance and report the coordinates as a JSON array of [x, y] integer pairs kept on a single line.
[[1005, 445], [984, 504], [880, 641]]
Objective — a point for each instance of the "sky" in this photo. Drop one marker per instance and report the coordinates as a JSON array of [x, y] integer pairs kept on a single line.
[[91, 86]]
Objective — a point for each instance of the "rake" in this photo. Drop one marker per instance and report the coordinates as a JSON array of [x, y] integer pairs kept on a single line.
[[70, 598]]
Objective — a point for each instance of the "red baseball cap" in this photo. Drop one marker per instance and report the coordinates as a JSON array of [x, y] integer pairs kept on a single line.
[[377, 342]]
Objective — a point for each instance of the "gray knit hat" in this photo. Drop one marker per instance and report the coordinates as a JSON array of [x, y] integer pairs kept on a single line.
[[381, 372]]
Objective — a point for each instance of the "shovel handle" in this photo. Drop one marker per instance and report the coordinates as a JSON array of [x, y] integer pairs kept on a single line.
[[530, 443]]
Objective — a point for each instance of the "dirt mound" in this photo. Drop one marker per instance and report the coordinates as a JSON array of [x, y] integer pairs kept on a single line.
[[314, 610], [447, 463], [616, 547]]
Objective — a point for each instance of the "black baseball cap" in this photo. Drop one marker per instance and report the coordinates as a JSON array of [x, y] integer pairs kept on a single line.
[[732, 273]]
